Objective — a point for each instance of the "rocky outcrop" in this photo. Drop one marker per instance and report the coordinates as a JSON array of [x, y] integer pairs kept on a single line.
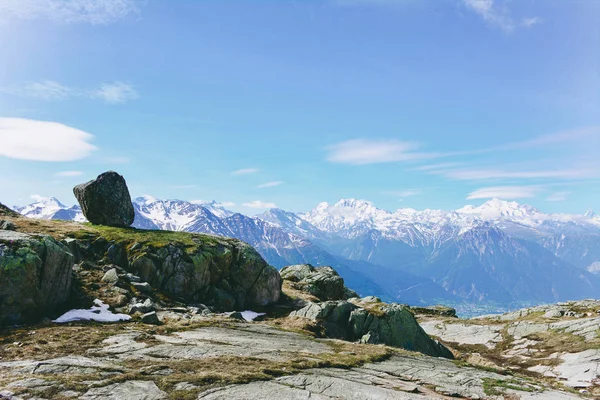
[[5, 211], [105, 200], [438, 310], [322, 282], [225, 274], [374, 322], [35, 276]]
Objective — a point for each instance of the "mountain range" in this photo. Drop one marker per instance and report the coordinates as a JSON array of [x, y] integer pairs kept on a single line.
[[500, 255]]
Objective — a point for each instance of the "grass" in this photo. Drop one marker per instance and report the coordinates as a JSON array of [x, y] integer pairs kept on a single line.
[[498, 387], [155, 238], [51, 341]]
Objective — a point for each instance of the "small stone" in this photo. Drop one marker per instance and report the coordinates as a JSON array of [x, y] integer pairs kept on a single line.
[[7, 225], [143, 287], [150, 318], [554, 313], [111, 277], [236, 315], [132, 278]]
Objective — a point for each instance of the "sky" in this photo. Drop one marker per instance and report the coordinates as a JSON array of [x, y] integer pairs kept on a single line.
[[281, 103]]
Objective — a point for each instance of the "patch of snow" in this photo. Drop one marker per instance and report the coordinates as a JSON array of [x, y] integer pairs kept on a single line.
[[250, 315], [99, 312]]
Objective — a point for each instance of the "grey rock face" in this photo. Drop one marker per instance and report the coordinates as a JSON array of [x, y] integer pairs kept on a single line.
[[106, 200], [376, 323], [322, 282], [130, 390], [35, 276]]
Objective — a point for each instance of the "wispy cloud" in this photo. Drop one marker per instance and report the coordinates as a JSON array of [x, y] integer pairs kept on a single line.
[[369, 151], [259, 204], [68, 174], [245, 171], [498, 15], [437, 166], [270, 184], [504, 192], [43, 90], [403, 193], [574, 136], [95, 12], [477, 174], [558, 196], [37, 197], [28, 139], [112, 93]]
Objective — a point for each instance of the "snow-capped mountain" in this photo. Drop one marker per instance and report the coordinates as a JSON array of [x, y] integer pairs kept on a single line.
[[499, 252], [51, 208]]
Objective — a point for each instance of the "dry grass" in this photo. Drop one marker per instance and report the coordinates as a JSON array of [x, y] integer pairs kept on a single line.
[[51, 341]]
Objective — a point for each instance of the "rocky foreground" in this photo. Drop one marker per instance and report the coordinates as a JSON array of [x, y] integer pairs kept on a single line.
[[177, 338]]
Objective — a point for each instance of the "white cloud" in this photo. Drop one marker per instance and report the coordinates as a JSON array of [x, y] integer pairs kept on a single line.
[[245, 171], [504, 192], [199, 201], [270, 184], [498, 15], [226, 204], [403, 193], [95, 12], [43, 90], [558, 196], [438, 166], [367, 151], [69, 174], [483, 174], [28, 139], [114, 93], [37, 197], [259, 204]]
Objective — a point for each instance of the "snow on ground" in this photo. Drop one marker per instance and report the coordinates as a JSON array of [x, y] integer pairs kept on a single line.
[[99, 312]]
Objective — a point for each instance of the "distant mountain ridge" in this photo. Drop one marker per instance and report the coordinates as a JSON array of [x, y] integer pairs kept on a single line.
[[501, 252]]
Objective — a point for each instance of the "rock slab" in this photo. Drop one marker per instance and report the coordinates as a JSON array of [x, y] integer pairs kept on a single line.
[[35, 276], [106, 200]]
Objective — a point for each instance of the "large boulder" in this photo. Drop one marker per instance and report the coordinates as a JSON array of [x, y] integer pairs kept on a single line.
[[322, 282], [35, 276], [106, 200], [371, 321]]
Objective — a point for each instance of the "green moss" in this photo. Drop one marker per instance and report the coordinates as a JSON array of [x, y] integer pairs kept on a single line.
[[23, 257], [498, 387], [154, 238]]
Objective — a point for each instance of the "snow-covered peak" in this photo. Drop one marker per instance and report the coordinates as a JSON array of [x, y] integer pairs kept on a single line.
[[44, 207], [217, 208], [346, 214], [589, 213], [497, 208]]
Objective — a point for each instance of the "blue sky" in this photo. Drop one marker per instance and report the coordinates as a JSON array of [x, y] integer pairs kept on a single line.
[[407, 103]]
